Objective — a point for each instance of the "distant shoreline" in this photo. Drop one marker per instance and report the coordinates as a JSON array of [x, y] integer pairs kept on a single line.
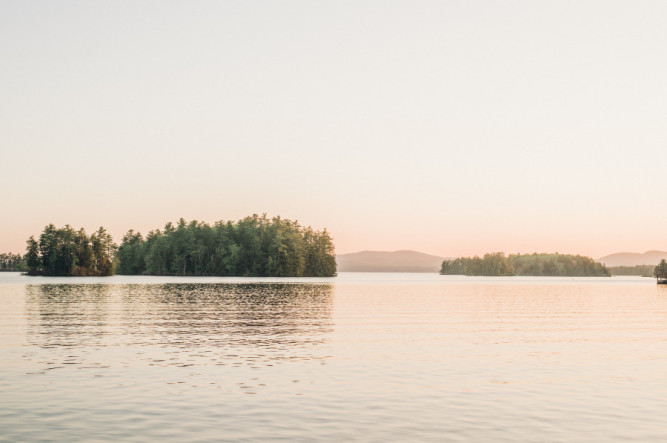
[[497, 264]]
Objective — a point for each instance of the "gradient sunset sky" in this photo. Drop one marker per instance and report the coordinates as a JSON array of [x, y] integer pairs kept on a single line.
[[448, 127]]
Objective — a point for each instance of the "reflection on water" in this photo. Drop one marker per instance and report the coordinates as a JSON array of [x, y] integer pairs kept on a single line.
[[66, 315], [194, 324], [369, 357]]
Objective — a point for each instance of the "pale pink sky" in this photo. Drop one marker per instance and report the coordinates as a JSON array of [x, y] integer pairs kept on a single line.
[[452, 128]]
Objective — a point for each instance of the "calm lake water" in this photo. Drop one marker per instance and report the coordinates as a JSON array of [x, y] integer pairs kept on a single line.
[[363, 357]]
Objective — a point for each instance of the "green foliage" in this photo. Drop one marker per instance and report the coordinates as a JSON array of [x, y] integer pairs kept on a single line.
[[497, 264], [103, 251], [131, 254], [253, 246], [65, 251], [564, 265], [12, 262], [642, 270], [454, 267], [661, 270], [32, 255]]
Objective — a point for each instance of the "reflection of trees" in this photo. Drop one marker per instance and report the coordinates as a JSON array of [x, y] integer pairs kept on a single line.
[[220, 314], [66, 315], [259, 323]]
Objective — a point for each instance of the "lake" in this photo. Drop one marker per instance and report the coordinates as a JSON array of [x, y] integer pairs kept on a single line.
[[362, 357]]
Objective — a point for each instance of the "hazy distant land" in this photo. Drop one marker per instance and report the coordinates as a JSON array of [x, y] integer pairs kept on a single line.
[[388, 261], [640, 270], [633, 258]]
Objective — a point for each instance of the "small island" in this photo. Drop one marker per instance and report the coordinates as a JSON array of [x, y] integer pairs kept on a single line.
[[255, 246], [498, 264], [660, 272]]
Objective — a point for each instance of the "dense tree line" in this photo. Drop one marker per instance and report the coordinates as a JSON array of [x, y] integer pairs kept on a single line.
[[491, 264], [65, 251], [497, 264], [11, 262], [253, 246], [660, 271], [642, 270]]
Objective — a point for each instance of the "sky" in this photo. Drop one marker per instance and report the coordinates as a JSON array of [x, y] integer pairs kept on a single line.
[[449, 127]]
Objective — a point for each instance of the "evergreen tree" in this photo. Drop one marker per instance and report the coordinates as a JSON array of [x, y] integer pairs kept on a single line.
[[253, 246], [131, 254], [103, 250], [661, 270], [497, 264]]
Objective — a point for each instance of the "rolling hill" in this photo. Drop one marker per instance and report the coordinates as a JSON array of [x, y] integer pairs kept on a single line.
[[633, 258], [385, 261]]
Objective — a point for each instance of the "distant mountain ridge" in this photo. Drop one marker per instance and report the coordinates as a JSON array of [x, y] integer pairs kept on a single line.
[[388, 261], [633, 258]]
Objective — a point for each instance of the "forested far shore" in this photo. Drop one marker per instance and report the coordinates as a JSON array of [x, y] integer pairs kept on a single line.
[[641, 270], [12, 262], [497, 264], [255, 246]]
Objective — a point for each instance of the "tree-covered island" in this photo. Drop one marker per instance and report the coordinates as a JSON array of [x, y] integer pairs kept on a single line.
[[66, 251], [253, 246], [660, 272], [497, 264]]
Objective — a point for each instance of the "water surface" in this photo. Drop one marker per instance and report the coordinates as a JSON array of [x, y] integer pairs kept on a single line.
[[365, 357]]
